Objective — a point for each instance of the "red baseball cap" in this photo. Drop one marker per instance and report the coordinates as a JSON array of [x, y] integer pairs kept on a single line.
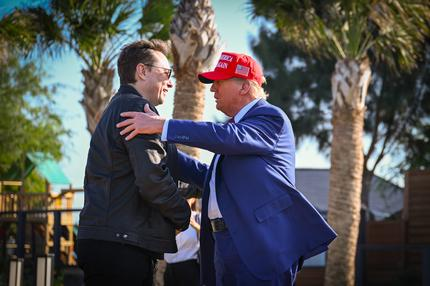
[[232, 65]]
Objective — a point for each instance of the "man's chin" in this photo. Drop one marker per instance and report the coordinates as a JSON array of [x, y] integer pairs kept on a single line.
[[160, 100], [223, 110], [219, 107]]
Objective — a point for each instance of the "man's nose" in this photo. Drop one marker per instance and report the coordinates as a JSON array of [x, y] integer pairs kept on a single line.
[[169, 83], [213, 89]]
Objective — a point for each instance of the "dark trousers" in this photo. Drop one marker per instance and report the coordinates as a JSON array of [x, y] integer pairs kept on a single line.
[[111, 263], [231, 271], [185, 273]]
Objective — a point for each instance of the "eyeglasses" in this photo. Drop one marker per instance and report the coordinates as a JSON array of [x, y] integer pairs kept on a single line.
[[169, 71]]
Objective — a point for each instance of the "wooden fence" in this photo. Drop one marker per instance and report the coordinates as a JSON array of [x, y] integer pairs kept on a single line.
[[395, 252]]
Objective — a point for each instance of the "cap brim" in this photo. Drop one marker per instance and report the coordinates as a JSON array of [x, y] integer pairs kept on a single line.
[[210, 77]]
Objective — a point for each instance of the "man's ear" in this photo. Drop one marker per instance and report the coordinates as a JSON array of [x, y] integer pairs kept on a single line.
[[140, 71], [245, 88]]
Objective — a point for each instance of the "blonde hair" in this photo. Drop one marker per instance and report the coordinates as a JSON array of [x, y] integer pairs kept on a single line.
[[256, 91]]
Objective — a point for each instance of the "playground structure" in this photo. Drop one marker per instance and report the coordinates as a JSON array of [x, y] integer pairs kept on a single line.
[[39, 208]]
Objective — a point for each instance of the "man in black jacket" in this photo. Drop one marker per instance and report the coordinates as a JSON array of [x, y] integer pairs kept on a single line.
[[132, 207]]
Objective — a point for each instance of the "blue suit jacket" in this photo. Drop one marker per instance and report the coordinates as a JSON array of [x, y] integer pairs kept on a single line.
[[271, 223]]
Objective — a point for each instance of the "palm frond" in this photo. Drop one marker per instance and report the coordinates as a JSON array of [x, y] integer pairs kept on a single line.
[[391, 31], [156, 18], [401, 30], [29, 28]]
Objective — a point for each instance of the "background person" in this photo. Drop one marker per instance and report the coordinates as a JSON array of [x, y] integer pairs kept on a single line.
[[182, 268]]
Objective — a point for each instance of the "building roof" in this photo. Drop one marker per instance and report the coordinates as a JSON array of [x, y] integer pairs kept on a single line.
[[48, 169], [45, 166], [385, 198]]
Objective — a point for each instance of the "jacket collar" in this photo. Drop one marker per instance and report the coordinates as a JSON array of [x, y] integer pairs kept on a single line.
[[126, 88], [261, 102], [242, 112]]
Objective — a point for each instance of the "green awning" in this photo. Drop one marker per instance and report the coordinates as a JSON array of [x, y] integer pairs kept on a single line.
[[48, 169]]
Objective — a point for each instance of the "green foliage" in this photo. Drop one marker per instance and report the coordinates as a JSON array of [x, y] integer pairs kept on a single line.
[[417, 143], [28, 123], [416, 140], [156, 18], [24, 31], [389, 31], [297, 83], [34, 183], [94, 30], [397, 119]]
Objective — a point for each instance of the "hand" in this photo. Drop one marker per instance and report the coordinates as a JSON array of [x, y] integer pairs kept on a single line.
[[194, 224], [141, 123]]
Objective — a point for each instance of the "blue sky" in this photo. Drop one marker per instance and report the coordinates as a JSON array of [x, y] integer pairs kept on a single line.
[[235, 28], [8, 5]]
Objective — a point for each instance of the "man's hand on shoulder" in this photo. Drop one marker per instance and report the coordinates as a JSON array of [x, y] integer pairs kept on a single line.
[[141, 123]]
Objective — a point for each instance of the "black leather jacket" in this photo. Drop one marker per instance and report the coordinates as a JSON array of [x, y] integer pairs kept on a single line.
[[130, 195]]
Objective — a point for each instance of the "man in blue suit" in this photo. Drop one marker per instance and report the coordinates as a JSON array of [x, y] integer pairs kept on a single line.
[[256, 227]]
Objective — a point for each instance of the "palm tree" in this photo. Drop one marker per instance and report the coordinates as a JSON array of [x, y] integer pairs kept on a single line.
[[94, 31], [17, 35], [195, 44], [354, 33]]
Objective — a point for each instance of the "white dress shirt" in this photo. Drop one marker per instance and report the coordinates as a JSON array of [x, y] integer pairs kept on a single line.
[[213, 209], [187, 242]]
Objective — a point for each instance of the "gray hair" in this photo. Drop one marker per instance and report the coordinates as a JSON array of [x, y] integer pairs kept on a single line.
[[256, 90]]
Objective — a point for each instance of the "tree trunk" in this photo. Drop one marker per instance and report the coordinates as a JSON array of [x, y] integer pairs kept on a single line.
[[194, 46], [350, 81], [97, 93]]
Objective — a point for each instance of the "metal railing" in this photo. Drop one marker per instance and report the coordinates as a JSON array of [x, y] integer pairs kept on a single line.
[[12, 202], [20, 233]]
